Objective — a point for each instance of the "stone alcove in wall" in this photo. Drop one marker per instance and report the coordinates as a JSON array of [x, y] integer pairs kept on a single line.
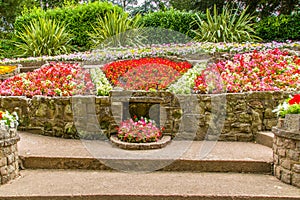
[[162, 107]]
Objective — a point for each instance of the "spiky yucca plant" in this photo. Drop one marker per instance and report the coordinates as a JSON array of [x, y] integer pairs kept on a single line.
[[43, 36], [117, 29], [229, 26]]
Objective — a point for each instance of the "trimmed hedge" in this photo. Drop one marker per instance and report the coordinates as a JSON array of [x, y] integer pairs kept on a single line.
[[78, 18], [279, 28], [177, 21]]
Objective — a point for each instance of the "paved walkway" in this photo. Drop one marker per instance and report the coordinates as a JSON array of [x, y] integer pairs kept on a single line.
[[104, 185], [77, 184], [37, 145]]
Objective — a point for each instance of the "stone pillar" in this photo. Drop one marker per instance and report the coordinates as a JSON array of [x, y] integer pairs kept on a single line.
[[9, 168], [286, 154]]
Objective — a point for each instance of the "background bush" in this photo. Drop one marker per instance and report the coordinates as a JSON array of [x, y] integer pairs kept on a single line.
[[279, 28], [43, 37], [228, 26], [179, 21], [78, 19]]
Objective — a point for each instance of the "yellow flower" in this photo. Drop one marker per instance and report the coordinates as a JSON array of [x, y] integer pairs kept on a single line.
[[6, 69]]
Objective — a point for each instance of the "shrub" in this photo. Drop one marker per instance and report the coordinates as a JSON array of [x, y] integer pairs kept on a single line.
[[177, 21], [78, 19], [116, 29], [229, 26], [8, 49], [279, 28], [43, 37]]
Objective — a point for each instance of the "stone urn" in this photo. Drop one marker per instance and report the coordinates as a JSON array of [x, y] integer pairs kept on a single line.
[[291, 122]]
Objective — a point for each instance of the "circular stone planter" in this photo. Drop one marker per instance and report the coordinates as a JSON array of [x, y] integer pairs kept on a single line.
[[164, 141], [286, 151], [9, 168]]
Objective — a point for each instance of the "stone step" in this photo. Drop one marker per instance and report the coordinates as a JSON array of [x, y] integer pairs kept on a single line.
[[106, 185], [42, 152], [265, 138]]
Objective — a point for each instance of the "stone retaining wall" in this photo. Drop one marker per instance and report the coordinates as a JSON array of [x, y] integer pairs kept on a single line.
[[228, 117], [286, 148], [9, 168]]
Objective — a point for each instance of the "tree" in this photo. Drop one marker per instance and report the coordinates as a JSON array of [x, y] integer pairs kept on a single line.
[[262, 8], [125, 4], [150, 6], [9, 10]]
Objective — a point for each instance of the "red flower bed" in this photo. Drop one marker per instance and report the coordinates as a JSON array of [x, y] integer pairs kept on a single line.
[[57, 79], [145, 73], [257, 71]]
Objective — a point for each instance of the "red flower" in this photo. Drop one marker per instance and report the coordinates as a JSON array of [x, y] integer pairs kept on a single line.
[[145, 73], [295, 100]]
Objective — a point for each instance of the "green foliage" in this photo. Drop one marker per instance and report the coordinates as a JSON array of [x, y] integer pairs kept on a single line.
[[43, 37], [9, 10], [281, 28], [262, 8], [229, 26], [177, 21], [8, 49], [79, 19], [116, 30]]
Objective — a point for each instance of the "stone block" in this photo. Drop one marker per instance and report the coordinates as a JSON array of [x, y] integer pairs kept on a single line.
[[294, 155], [276, 159], [296, 168], [10, 159], [277, 171], [281, 152], [296, 179], [286, 176], [3, 171], [11, 169], [286, 163], [3, 161]]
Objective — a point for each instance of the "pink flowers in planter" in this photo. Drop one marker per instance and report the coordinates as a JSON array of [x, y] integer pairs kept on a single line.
[[257, 71], [56, 79], [139, 131]]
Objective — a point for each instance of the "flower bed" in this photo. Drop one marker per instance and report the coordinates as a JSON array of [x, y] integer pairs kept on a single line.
[[271, 70], [6, 69], [139, 131], [56, 79], [289, 106], [157, 50], [145, 73]]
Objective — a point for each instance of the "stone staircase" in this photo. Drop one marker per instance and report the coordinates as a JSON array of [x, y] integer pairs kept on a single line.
[[56, 168]]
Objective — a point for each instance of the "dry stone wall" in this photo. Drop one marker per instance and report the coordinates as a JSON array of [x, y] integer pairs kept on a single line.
[[9, 168], [228, 117], [286, 148]]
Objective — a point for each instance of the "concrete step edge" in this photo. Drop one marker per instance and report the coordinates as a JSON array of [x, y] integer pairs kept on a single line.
[[234, 166], [265, 138]]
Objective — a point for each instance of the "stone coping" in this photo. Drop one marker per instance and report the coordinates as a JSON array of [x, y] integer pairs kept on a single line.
[[164, 141], [286, 133]]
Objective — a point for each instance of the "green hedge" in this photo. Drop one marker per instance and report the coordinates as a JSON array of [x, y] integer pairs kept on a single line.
[[281, 28], [174, 20], [78, 18]]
